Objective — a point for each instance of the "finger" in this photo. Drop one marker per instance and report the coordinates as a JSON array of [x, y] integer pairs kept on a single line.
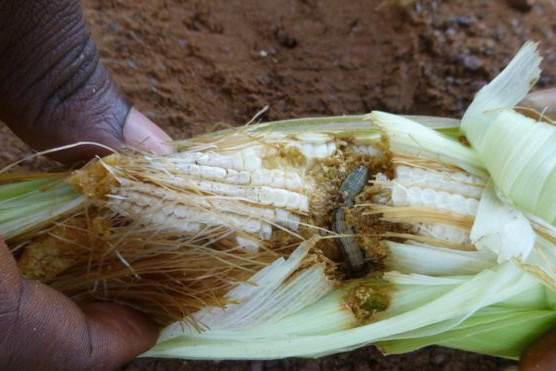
[[9, 277], [541, 355], [136, 131], [543, 101], [43, 329], [58, 332], [118, 333]]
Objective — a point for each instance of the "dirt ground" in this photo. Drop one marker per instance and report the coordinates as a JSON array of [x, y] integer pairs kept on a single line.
[[192, 64]]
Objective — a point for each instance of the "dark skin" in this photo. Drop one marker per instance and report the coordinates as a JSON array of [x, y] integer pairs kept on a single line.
[[53, 89], [54, 92]]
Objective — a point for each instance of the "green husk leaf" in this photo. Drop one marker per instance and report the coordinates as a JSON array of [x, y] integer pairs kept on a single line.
[[11, 190], [503, 93], [350, 126], [501, 228], [504, 333], [409, 137], [519, 152], [29, 204], [429, 314], [435, 261]]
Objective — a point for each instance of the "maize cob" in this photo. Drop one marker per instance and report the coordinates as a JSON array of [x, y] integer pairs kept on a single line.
[[304, 237]]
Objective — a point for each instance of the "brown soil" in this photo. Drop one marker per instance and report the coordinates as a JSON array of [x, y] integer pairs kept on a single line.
[[191, 64], [365, 359]]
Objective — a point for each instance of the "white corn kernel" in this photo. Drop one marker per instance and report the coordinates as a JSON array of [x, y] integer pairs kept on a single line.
[[251, 226], [192, 227], [221, 161], [399, 196], [237, 161], [257, 177], [251, 159], [426, 197], [193, 170], [321, 150], [243, 177], [287, 219], [308, 150], [213, 173], [293, 200], [265, 232], [456, 183], [445, 232], [277, 178], [248, 244], [279, 197], [429, 198], [202, 158], [293, 181], [304, 203], [364, 149]]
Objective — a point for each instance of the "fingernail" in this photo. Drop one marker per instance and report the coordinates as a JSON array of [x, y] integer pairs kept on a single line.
[[541, 100], [142, 133]]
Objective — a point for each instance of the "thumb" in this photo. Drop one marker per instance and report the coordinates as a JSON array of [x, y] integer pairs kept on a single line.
[[54, 90], [136, 131], [43, 329]]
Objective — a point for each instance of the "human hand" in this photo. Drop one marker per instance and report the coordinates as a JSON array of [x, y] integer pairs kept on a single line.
[[53, 89], [54, 92], [44, 330], [541, 355]]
